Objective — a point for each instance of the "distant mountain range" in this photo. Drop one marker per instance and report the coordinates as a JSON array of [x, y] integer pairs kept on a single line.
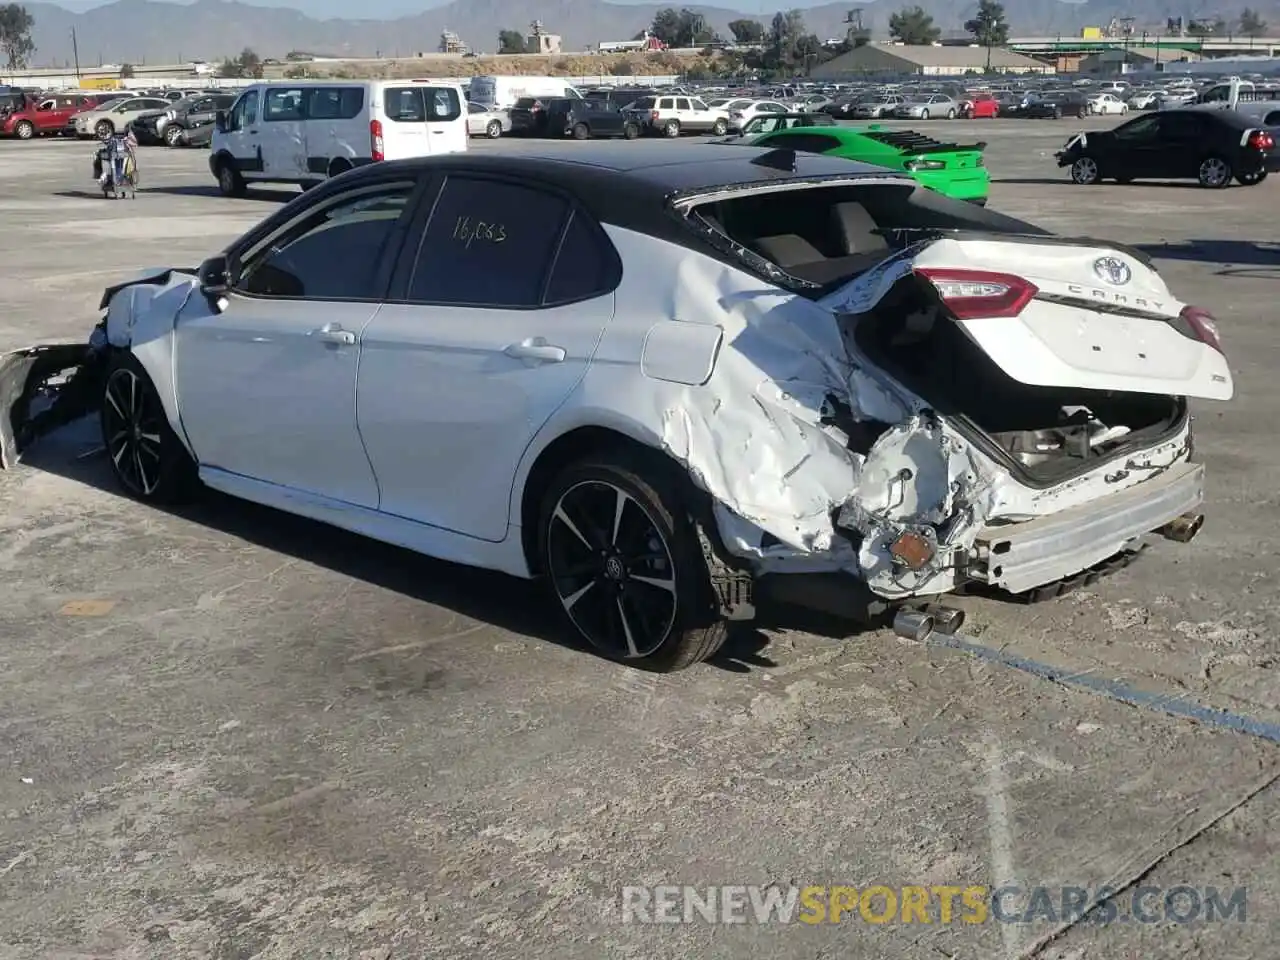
[[142, 31]]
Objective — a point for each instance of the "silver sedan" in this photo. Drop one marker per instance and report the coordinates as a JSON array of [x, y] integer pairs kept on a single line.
[[490, 122], [927, 106]]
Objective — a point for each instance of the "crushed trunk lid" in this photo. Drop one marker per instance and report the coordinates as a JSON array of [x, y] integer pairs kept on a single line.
[[1057, 312]]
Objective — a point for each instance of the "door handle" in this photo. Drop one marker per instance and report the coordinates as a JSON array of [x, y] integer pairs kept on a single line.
[[535, 350], [333, 333]]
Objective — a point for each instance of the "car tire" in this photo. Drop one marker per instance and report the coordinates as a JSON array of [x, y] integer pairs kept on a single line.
[[338, 167], [1084, 171], [230, 183], [634, 584], [1082, 113], [104, 129], [173, 136], [720, 128], [951, 114], [1057, 113], [147, 458], [1251, 179], [580, 131], [671, 128], [924, 114], [493, 130], [24, 130], [1215, 173], [630, 131]]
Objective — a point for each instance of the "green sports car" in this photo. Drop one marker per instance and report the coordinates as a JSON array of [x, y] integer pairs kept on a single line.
[[956, 170]]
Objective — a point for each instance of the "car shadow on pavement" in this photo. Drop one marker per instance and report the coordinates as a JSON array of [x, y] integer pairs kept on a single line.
[[1066, 181], [201, 190], [503, 601], [1249, 253]]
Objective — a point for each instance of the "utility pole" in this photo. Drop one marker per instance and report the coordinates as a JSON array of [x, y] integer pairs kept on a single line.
[[75, 52]]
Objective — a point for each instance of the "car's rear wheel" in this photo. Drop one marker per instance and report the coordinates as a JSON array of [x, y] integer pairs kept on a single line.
[[624, 563], [104, 129], [1082, 112], [1085, 171], [173, 135], [147, 458], [24, 130], [630, 130], [951, 114], [720, 128], [1215, 173], [230, 183], [494, 129], [924, 114], [671, 128], [580, 131]]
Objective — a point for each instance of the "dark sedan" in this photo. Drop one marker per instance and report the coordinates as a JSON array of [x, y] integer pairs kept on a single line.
[[1209, 146], [1055, 106], [583, 119]]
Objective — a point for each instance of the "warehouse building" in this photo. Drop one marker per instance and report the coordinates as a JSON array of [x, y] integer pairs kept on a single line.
[[932, 61], [1115, 62]]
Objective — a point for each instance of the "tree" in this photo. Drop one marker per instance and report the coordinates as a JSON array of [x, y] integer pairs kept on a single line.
[[680, 29], [510, 41], [1251, 24], [126, 71], [1207, 28], [747, 31], [786, 40], [914, 27], [989, 27], [15, 35], [247, 65]]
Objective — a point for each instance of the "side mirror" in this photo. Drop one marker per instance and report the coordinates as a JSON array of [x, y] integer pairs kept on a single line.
[[220, 121], [215, 283]]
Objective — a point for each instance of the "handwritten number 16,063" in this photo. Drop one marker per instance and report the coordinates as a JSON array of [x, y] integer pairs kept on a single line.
[[467, 232]]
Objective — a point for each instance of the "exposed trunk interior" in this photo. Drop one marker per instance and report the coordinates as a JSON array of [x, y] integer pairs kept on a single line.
[[1047, 434]]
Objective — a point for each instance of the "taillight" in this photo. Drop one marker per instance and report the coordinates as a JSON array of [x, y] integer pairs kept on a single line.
[[1204, 326], [1261, 140], [919, 164], [377, 146], [654, 115], [980, 294]]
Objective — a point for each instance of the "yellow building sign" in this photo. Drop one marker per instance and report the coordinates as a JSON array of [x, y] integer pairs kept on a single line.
[[1091, 33], [99, 83]]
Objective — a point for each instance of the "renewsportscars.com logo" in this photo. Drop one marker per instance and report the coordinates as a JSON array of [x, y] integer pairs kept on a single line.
[[937, 904]]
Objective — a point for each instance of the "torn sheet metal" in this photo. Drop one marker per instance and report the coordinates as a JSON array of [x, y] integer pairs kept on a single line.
[[43, 388]]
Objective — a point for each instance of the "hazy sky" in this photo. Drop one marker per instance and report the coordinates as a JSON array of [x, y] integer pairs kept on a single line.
[[387, 9]]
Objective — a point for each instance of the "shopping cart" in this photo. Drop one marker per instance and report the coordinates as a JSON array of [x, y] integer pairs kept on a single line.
[[115, 166]]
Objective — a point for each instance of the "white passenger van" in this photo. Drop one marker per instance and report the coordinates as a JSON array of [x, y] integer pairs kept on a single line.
[[501, 93], [302, 132]]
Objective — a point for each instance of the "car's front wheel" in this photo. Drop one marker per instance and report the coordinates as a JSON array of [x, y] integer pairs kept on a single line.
[[173, 135], [147, 458], [924, 114], [720, 128], [623, 561], [494, 130], [1085, 171], [24, 130], [104, 130], [230, 183], [1215, 173]]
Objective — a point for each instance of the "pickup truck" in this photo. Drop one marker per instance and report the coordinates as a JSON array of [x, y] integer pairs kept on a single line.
[[46, 116]]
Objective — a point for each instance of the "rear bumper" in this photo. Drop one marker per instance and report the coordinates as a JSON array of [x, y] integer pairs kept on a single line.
[[973, 184], [1021, 556]]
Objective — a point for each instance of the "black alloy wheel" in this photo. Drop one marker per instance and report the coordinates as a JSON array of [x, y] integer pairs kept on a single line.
[[146, 456], [626, 568]]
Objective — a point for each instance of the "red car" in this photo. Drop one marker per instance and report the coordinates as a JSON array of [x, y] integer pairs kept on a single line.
[[45, 116], [980, 106]]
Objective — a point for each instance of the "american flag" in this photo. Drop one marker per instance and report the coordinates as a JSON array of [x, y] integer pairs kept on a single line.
[[131, 139]]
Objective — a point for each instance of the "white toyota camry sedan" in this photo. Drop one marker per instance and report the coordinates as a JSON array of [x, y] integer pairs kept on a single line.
[[665, 378]]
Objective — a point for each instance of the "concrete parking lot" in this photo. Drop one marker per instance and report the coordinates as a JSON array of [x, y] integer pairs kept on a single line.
[[230, 733]]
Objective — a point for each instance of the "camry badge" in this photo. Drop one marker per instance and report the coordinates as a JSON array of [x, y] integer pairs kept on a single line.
[[1112, 270]]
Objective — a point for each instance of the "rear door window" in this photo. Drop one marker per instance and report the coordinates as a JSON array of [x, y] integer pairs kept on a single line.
[[443, 104], [283, 104], [336, 103], [489, 243], [405, 105]]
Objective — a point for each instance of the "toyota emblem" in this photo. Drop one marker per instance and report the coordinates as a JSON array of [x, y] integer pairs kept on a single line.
[[1112, 270]]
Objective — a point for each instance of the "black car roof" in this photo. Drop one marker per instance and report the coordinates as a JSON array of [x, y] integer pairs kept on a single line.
[[656, 169]]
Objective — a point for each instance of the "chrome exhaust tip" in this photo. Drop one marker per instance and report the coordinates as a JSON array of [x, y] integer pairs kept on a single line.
[[1184, 528], [946, 619], [914, 625]]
